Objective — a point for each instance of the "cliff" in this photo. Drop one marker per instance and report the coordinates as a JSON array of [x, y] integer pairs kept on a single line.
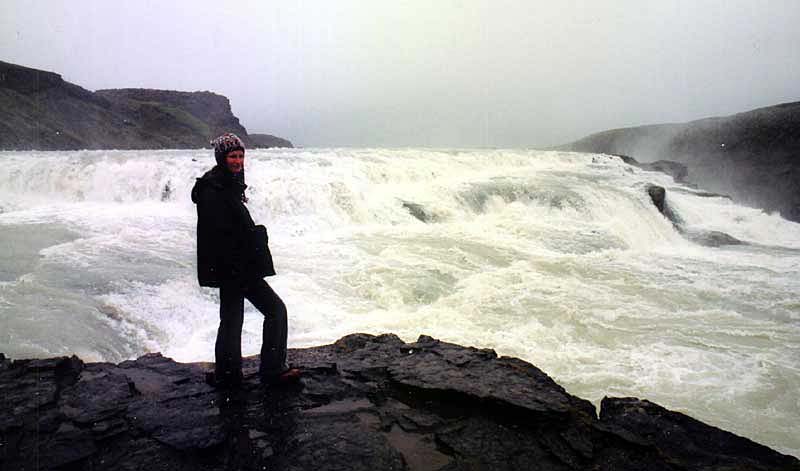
[[753, 156], [364, 402], [41, 111]]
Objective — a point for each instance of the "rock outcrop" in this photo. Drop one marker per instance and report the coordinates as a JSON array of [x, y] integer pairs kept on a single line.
[[676, 170], [752, 156], [263, 141], [365, 402], [658, 195], [41, 111]]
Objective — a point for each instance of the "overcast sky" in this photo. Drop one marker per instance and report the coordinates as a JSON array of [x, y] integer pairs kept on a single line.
[[438, 73]]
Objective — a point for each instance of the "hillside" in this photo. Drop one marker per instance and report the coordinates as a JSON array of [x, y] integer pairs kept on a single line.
[[753, 156], [41, 111]]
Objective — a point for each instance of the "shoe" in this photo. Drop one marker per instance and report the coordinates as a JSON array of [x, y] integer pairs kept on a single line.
[[288, 377]]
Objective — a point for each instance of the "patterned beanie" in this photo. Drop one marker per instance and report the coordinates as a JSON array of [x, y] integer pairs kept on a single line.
[[224, 144]]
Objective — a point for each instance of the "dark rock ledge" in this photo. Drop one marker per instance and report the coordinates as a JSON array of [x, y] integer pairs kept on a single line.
[[365, 402]]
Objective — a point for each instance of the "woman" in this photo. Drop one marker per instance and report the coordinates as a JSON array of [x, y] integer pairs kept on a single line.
[[232, 257]]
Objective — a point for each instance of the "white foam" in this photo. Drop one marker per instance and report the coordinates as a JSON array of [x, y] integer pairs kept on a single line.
[[747, 224]]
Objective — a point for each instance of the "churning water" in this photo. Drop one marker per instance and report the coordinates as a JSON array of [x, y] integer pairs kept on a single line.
[[557, 258]]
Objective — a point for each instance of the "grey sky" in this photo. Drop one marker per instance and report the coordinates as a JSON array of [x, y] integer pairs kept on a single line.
[[435, 73]]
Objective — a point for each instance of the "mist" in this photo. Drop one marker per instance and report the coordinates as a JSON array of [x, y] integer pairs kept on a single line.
[[444, 74]]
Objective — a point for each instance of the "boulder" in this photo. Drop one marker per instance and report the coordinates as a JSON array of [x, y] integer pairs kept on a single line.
[[419, 212], [689, 443]]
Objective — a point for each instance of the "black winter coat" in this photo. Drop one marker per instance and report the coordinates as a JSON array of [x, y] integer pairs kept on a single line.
[[225, 232]]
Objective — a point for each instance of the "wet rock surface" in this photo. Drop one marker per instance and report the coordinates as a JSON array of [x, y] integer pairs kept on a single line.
[[365, 402]]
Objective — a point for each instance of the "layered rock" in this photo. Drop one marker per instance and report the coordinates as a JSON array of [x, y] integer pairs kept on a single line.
[[365, 402], [753, 156], [41, 111]]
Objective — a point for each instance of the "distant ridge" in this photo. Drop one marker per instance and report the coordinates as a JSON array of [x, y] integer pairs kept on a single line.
[[752, 156], [41, 111]]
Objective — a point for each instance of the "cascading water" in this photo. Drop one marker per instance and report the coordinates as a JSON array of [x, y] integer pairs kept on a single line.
[[558, 258]]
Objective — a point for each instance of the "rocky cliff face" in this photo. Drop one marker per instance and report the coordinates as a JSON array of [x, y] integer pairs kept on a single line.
[[753, 156], [364, 403], [39, 110]]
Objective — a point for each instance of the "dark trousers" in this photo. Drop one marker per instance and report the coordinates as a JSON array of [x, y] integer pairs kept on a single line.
[[228, 349]]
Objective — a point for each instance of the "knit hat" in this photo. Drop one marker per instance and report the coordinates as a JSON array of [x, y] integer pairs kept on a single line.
[[224, 144]]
